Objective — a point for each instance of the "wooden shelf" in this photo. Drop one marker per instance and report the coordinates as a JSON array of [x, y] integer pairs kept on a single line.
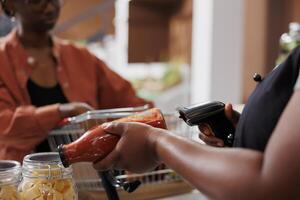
[[157, 29]]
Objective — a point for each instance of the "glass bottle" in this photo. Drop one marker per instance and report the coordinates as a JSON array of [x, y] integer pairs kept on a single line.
[[45, 178], [95, 144], [289, 41], [10, 176]]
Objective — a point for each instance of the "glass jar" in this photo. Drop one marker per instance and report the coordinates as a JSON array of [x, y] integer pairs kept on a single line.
[[45, 178], [289, 41], [10, 176]]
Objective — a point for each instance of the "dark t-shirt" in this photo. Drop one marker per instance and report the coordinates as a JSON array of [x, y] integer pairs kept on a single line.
[[41, 96], [266, 104]]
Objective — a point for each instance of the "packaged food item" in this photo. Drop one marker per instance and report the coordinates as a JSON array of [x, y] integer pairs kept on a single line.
[[95, 144], [45, 178], [10, 176]]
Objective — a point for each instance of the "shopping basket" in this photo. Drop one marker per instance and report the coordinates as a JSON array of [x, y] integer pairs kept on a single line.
[[86, 177]]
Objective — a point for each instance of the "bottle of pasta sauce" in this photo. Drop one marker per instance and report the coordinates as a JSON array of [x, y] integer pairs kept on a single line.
[[96, 144]]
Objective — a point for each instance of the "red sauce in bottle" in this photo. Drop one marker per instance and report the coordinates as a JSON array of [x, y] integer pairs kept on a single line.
[[96, 144]]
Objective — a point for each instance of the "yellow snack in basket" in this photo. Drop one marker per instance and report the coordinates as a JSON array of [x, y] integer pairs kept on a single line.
[[8, 192]]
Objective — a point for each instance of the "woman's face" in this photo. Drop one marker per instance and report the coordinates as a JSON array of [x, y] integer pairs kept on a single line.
[[36, 15]]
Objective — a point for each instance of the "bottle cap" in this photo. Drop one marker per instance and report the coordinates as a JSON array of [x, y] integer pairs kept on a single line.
[[60, 149]]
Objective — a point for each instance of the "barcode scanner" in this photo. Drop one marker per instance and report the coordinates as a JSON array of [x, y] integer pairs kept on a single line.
[[213, 114]]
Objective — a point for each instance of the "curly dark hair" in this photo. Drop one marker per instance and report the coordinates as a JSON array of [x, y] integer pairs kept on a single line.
[[4, 8]]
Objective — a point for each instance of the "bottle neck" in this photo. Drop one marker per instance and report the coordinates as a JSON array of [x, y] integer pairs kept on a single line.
[[10, 172], [45, 166]]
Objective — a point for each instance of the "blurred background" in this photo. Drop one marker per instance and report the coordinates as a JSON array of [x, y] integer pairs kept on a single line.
[[178, 52]]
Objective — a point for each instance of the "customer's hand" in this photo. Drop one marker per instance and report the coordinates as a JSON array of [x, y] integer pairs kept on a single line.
[[207, 135], [73, 109], [135, 150]]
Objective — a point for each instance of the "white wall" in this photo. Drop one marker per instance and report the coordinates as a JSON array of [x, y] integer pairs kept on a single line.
[[217, 50], [122, 32]]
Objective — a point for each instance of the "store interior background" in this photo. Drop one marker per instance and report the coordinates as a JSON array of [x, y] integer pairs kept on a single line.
[[178, 52]]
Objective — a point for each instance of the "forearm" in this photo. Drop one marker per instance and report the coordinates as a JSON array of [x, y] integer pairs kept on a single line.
[[219, 173], [28, 121]]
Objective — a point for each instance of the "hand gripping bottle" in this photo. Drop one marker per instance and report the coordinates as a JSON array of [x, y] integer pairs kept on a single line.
[[96, 144]]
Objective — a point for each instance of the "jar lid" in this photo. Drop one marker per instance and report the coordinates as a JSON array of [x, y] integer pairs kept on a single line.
[[46, 166]]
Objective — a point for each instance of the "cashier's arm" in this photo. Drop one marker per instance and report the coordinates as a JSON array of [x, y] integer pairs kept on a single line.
[[220, 173]]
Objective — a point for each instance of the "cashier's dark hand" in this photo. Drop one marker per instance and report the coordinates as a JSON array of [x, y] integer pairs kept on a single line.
[[207, 135], [135, 151], [73, 109]]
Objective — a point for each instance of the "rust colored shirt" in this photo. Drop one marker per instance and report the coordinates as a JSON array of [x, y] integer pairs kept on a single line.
[[82, 76]]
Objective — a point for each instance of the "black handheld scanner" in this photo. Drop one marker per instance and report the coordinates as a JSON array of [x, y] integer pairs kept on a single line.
[[211, 113]]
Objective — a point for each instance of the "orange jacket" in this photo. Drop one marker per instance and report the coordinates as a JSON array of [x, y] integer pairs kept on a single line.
[[83, 78]]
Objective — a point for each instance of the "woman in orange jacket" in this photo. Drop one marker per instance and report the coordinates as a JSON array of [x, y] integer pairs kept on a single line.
[[44, 79]]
